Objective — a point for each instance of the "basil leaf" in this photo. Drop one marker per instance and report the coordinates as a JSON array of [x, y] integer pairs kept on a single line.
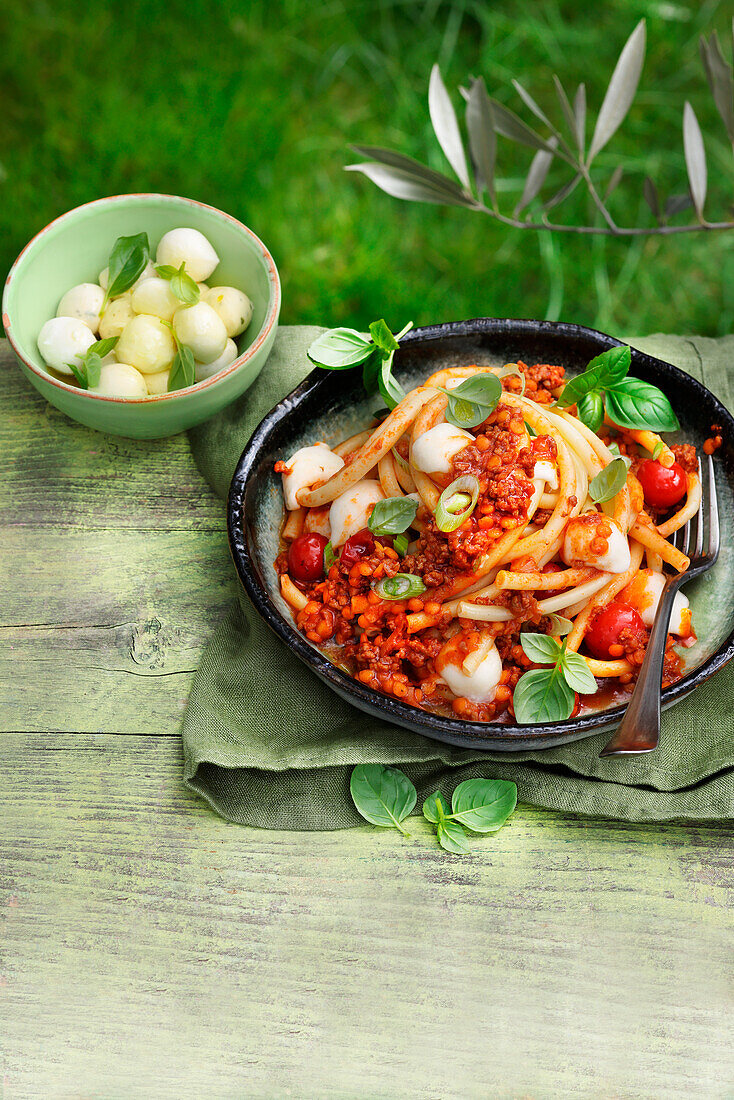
[[339, 349], [433, 808], [392, 516], [633, 403], [465, 414], [370, 371], [80, 373], [608, 481], [577, 673], [329, 557], [93, 364], [540, 648], [483, 389], [104, 347], [383, 796], [542, 696], [605, 370], [614, 449], [483, 805], [452, 837], [383, 338], [166, 271], [591, 410], [184, 287], [127, 261], [182, 369], [391, 392], [400, 545]]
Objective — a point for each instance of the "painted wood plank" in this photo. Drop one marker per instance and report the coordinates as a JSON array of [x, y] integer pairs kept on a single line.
[[149, 948]]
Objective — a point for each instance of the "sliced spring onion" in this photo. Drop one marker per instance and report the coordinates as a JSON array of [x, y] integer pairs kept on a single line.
[[400, 544], [403, 586], [457, 503]]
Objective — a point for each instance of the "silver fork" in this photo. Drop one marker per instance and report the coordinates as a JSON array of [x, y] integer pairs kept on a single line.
[[640, 727]]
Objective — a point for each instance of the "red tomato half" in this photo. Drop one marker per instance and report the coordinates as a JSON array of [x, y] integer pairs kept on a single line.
[[358, 546], [306, 558], [663, 486], [607, 627]]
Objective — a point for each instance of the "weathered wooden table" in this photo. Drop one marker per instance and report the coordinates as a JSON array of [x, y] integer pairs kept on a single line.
[[148, 948]]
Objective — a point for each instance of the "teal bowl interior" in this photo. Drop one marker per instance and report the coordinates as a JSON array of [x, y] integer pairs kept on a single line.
[[76, 247]]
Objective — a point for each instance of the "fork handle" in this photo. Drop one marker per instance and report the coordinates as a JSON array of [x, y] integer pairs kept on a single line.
[[639, 730]]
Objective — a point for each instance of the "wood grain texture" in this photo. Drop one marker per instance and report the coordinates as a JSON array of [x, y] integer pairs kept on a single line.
[[148, 948]]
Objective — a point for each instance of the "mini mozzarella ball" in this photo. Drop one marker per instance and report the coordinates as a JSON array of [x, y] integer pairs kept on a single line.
[[83, 302], [202, 330], [478, 683], [307, 467], [317, 522], [157, 383], [148, 272], [350, 512], [116, 315], [120, 380], [234, 307], [190, 247], [146, 343], [155, 297], [64, 340], [546, 471], [433, 451], [208, 370], [644, 592], [594, 539]]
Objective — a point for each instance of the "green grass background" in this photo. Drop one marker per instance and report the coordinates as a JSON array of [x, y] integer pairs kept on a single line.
[[250, 106]]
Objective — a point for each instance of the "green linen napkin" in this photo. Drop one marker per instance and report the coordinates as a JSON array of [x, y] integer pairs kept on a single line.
[[267, 744]]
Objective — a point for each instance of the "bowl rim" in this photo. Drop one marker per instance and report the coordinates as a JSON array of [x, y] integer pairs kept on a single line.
[[490, 737], [271, 317]]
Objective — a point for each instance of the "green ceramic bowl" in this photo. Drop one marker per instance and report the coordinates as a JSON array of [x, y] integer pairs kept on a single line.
[[75, 248]]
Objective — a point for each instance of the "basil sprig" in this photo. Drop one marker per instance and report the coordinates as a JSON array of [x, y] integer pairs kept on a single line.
[[547, 694], [472, 401], [608, 481], [629, 402], [342, 348], [385, 797], [183, 368], [183, 286], [392, 516], [89, 371], [127, 262]]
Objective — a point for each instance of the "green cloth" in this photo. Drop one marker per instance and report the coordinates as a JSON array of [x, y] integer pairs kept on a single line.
[[276, 758]]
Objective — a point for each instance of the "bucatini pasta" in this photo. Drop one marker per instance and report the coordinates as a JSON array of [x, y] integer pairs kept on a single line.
[[424, 558]]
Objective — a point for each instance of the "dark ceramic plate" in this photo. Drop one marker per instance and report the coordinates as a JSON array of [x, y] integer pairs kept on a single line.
[[331, 405]]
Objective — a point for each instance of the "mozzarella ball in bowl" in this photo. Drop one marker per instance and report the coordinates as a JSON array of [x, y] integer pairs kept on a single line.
[[120, 380], [64, 340], [189, 247], [116, 315], [147, 344], [157, 383], [155, 297], [232, 306], [208, 370], [83, 302], [202, 330]]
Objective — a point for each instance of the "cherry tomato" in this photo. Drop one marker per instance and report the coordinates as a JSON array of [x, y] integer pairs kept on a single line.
[[358, 546], [663, 486], [306, 558], [607, 627]]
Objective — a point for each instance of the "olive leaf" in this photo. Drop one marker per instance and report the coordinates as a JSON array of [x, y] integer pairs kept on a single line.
[[530, 103], [568, 113], [720, 77], [614, 181], [562, 194], [383, 796], [482, 136], [695, 154], [579, 114], [402, 184], [536, 176], [621, 91], [392, 516], [407, 164], [676, 204], [650, 194], [608, 481], [507, 123], [446, 126]]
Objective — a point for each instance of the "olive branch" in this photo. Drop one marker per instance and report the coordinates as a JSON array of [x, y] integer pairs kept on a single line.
[[485, 118]]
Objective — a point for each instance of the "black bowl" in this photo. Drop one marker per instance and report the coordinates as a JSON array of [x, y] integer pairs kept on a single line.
[[331, 405]]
